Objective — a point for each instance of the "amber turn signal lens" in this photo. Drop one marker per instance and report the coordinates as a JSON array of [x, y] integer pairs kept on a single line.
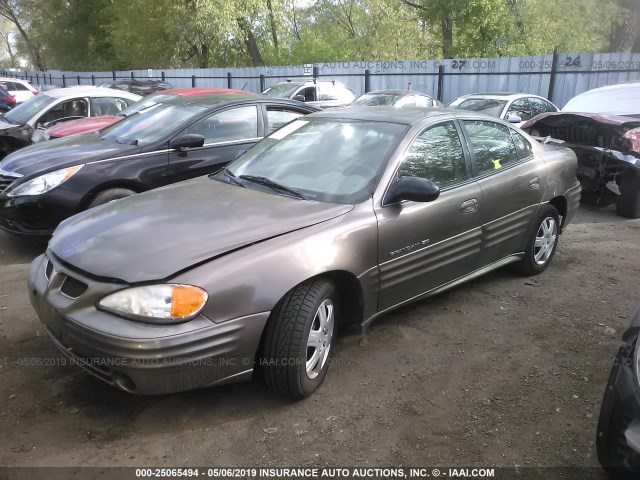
[[186, 300]]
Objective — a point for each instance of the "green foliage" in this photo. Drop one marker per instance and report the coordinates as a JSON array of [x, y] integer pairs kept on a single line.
[[127, 34]]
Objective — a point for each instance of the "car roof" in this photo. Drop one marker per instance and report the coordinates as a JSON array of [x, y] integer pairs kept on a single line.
[[89, 90], [184, 92], [396, 91], [407, 116], [500, 95], [10, 79], [618, 99], [217, 99]]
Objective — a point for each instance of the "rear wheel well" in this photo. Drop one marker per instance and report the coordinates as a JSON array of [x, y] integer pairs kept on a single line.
[[561, 206]]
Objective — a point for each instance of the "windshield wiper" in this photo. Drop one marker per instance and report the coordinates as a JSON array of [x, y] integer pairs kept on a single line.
[[267, 182], [229, 174]]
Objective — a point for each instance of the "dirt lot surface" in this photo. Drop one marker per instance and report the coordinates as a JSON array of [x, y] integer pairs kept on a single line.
[[502, 371]]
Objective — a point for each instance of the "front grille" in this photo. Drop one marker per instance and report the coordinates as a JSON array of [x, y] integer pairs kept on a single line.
[[73, 288], [5, 182], [48, 270]]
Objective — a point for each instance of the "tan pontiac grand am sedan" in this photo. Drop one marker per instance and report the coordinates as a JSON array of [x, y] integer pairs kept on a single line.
[[337, 217]]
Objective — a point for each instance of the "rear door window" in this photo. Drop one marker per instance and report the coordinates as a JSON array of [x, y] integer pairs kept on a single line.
[[239, 123], [491, 145], [521, 108]]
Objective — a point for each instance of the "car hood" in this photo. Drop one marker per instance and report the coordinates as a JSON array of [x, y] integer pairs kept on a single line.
[[156, 234], [82, 125], [5, 125], [603, 118], [54, 154]]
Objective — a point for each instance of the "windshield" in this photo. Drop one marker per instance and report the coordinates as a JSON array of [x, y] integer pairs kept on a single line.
[[26, 110], [377, 99], [282, 90], [150, 125], [489, 106], [334, 161], [147, 102]]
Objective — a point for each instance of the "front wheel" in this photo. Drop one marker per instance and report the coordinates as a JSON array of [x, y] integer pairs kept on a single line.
[[110, 195], [542, 241], [299, 339]]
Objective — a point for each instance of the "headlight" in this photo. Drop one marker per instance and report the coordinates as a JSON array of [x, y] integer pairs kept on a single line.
[[169, 303], [44, 183]]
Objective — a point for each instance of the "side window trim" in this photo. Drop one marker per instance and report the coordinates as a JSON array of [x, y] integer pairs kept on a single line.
[[529, 157]]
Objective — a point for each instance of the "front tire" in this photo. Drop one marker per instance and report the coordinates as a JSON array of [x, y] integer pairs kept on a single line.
[[299, 339], [542, 241], [109, 196]]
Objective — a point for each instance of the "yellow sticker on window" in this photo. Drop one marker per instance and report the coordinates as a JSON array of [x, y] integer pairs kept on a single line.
[[496, 164]]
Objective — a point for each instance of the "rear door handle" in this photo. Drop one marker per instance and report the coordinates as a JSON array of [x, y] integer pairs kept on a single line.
[[469, 206], [534, 183]]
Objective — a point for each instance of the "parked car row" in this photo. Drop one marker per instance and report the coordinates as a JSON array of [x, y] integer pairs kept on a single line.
[[235, 253]]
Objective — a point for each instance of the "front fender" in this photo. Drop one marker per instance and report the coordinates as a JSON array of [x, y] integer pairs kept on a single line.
[[253, 279]]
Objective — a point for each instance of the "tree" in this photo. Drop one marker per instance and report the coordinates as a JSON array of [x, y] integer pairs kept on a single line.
[[625, 34], [16, 12]]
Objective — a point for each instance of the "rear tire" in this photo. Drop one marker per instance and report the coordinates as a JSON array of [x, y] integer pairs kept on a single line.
[[542, 242], [299, 339], [109, 196], [628, 203]]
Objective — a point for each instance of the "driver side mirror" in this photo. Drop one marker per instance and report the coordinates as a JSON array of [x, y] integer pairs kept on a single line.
[[512, 118], [299, 98], [190, 140], [415, 189]]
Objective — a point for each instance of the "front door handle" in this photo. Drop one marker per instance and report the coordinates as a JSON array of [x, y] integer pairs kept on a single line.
[[534, 183], [469, 206]]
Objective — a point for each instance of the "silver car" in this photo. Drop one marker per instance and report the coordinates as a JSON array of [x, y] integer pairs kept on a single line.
[[515, 108], [336, 218]]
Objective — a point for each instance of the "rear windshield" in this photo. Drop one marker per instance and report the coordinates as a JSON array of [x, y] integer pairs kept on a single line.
[[489, 106], [282, 90], [146, 103]]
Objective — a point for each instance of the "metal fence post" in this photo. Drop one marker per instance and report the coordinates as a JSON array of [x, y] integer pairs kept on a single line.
[[93, 79], [113, 74], [228, 79], [64, 81], [367, 81], [37, 78], [552, 74], [132, 76], [78, 78], [262, 84], [316, 73], [193, 81], [440, 81], [162, 76], [50, 79]]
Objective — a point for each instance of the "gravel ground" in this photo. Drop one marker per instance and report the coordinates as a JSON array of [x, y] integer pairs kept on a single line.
[[502, 371]]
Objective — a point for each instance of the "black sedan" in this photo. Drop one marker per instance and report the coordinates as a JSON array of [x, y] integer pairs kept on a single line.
[[618, 439], [45, 183]]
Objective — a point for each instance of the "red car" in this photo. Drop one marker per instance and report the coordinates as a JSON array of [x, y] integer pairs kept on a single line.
[[91, 124]]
